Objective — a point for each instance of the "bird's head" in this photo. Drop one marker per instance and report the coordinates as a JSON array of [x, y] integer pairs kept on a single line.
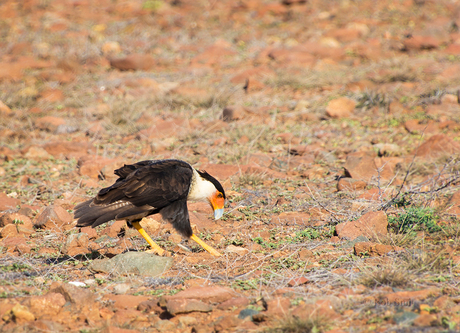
[[216, 195]]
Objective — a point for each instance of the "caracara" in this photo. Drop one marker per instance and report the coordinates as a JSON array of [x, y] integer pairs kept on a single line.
[[151, 187]]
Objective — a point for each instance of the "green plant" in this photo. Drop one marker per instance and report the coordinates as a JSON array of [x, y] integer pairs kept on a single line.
[[414, 219], [246, 284]]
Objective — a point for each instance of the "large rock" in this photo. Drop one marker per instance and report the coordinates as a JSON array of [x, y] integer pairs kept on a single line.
[[137, 263], [370, 225], [437, 146]]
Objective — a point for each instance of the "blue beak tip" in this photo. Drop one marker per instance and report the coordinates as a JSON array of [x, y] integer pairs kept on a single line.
[[218, 213]]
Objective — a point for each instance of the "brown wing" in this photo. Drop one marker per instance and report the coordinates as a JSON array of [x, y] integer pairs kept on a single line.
[[143, 188]]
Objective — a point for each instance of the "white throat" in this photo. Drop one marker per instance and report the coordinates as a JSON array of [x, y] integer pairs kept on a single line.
[[200, 189]]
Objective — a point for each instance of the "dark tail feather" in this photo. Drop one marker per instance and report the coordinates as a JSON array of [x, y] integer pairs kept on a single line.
[[92, 216]]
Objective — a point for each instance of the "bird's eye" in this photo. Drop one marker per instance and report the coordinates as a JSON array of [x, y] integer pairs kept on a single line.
[[219, 195]]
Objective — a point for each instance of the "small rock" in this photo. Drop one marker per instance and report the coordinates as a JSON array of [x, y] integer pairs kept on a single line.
[[17, 219], [417, 42], [182, 305], [78, 284], [374, 249], [37, 154], [5, 110], [226, 323], [340, 107], [298, 281], [409, 297], [247, 313], [133, 62], [305, 254], [186, 321], [233, 302], [278, 307], [137, 263], [426, 320], [211, 294], [405, 317], [21, 314], [126, 302], [110, 48], [9, 231], [76, 244], [49, 123], [236, 249], [67, 149], [350, 184], [417, 126], [53, 217], [91, 232], [149, 306], [121, 288], [362, 166], [96, 167], [7, 202], [74, 295], [370, 225], [46, 305], [231, 113], [51, 95], [444, 302], [165, 326]]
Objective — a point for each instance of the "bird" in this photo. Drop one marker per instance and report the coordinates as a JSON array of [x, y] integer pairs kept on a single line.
[[151, 187]]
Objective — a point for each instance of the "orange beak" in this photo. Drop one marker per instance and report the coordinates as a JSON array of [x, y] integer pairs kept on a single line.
[[217, 202]]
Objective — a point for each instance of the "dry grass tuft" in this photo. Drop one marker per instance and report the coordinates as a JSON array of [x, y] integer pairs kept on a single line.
[[421, 261], [390, 276], [402, 240]]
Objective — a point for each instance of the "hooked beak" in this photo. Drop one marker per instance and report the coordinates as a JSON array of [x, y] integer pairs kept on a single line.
[[218, 213]]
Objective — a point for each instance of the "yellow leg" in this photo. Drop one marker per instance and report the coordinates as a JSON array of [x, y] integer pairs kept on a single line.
[[155, 247], [205, 246]]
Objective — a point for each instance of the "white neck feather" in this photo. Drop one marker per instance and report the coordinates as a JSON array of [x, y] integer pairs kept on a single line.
[[200, 189]]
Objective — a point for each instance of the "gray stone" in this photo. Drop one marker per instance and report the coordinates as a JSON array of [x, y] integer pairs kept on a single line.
[[137, 263], [247, 313], [405, 317]]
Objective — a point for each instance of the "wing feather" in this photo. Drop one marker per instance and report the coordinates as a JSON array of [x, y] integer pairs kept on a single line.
[[142, 189]]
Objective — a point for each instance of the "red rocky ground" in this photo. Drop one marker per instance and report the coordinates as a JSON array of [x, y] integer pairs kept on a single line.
[[333, 126]]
